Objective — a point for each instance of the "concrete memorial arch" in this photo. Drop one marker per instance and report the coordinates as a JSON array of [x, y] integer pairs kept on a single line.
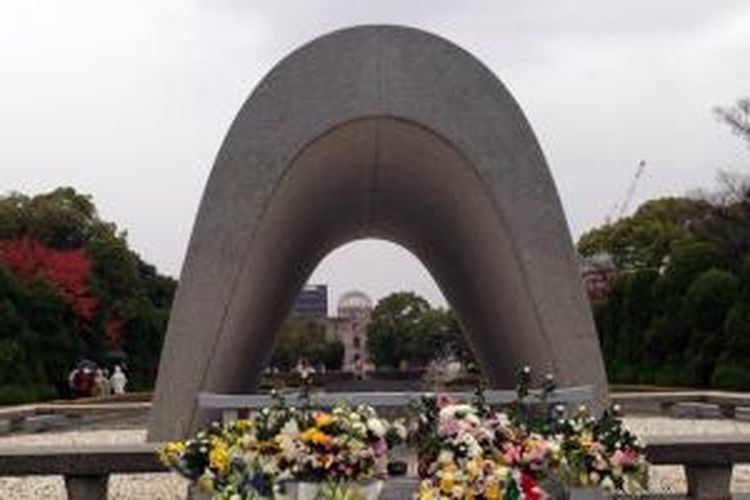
[[387, 132]]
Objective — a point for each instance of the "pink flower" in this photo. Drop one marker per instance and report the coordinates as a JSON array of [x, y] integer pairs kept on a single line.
[[625, 458], [379, 448], [449, 427], [511, 455]]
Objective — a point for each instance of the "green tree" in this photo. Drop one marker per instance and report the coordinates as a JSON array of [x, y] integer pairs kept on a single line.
[[439, 334], [647, 237], [160, 289], [53, 340], [727, 225], [732, 370], [62, 218], [395, 321], [706, 305], [143, 333], [300, 339], [45, 334]]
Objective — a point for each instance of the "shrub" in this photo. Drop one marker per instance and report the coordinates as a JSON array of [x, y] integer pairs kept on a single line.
[[731, 375], [645, 375], [689, 260], [708, 300], [667, 375], [17, 394]]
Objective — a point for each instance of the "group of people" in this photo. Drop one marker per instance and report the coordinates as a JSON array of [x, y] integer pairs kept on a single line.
[[89, 380]]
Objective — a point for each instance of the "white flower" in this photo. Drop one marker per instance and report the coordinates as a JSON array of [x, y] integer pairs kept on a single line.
[[473, 419], [445, 457], [502, 419], [290, 428], [400, 430], [376, 426], [451, 411]]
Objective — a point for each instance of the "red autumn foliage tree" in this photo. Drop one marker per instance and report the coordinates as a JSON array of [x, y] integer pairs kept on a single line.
[[67, 270]]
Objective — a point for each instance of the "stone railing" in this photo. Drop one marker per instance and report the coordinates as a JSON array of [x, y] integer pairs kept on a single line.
[[691, 404], [230, 406], [708, 462], [86, 469], [44, 416]]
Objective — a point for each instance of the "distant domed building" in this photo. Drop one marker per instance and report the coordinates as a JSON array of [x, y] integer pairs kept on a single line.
[[354, 304], [353, 313]]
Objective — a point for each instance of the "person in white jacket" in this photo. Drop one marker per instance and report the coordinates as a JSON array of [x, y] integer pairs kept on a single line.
[[118, 381]]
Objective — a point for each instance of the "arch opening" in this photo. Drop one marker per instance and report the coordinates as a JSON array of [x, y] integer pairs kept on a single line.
[[339, 300], [392, 179], [376, 267]]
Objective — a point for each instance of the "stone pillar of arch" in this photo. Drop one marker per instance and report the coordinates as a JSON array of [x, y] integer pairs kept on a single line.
[[387, 132]]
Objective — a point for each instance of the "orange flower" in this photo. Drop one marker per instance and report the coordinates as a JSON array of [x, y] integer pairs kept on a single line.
[[313, 435], [323, 419]]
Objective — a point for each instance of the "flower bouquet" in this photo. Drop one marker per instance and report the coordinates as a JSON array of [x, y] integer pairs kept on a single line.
[[596, 456], [341, 454], [286, 452], [467, 453], [238, 460], [224, 461], [599, 453]]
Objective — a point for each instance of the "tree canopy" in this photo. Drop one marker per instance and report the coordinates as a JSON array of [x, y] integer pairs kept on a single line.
[[679, 312], [404, 328], [300, 339], [71, 288]]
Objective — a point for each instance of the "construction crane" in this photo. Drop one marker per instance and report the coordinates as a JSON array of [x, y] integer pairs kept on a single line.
[[619, 208]]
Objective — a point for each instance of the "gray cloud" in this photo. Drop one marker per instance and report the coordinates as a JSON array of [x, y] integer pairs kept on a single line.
[[130, 100]]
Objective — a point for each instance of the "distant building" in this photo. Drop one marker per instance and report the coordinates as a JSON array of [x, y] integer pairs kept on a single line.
[[599, 273], [311, 303], [350, 327]]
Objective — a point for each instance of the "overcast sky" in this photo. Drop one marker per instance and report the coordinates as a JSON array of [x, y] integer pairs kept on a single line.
[[129, 101]]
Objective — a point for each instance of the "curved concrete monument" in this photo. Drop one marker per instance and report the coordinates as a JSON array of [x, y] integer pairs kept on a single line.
[[387, 132]]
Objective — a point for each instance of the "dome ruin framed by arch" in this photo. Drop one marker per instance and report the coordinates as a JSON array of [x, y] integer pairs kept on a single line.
[[385, 132]]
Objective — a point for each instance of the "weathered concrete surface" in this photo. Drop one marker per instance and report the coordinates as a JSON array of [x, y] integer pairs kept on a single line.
[[387, 132], [86, 487], [79, 461]]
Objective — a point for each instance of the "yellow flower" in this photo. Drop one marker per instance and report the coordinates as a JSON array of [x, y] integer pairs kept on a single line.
[[446, 482], [583, 478], [206, 483], [170, 453], [501, 472], [586, 439], [218, 457], [323, 419], [243, 425], [425, 491], [492, 491], [472, 469]]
